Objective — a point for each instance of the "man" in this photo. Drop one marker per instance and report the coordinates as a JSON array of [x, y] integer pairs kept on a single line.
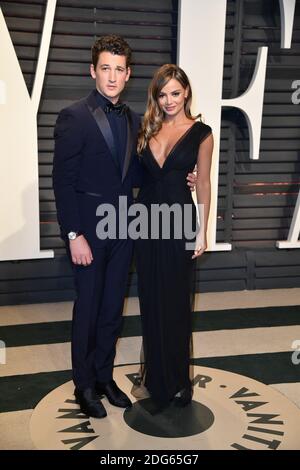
[[95, 162]]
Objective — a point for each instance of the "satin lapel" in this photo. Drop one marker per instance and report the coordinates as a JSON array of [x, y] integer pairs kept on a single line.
[[105, 129], [129, 143]]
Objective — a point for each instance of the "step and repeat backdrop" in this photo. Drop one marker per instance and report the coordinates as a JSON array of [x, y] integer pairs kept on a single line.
[[243, 60]]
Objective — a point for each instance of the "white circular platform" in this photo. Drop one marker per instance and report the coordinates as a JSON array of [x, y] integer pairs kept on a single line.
[[229, 411]]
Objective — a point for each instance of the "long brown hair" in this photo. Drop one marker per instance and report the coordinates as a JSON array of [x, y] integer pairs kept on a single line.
[[154, 116]]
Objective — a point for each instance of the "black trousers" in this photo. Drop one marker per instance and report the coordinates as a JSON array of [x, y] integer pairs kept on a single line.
[[97, 313]]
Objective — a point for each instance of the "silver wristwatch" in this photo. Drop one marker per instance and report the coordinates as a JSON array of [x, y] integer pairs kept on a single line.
[[73, 235]]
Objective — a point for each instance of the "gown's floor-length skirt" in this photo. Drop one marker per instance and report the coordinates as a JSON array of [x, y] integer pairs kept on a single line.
[[165, 271]]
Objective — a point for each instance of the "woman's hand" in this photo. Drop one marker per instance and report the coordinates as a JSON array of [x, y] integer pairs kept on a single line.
[[200, 246]]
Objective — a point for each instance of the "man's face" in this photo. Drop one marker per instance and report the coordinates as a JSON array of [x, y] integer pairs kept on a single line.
[[111, 75]]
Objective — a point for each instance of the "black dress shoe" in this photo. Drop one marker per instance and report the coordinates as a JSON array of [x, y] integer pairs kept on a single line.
[[184, 398], [114, 395], [89, 403]]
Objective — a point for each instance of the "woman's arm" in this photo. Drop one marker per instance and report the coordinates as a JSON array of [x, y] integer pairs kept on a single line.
[[203, 190]]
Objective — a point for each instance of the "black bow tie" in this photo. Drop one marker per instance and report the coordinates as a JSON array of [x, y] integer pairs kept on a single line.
[[120, 108]]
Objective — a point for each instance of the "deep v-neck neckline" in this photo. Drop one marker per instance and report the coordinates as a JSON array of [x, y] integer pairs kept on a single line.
[[181, 138]]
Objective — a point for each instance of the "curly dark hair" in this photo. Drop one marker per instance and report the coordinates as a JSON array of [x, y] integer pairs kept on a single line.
[[111, 43]]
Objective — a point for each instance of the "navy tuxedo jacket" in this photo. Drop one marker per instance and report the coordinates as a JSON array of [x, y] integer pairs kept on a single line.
[[86, 171]]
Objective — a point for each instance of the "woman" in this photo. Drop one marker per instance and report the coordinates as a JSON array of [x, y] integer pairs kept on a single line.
[[170, 143]]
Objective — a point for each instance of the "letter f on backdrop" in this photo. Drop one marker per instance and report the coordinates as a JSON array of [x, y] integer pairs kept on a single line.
[[19, 184], [201, 45]]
